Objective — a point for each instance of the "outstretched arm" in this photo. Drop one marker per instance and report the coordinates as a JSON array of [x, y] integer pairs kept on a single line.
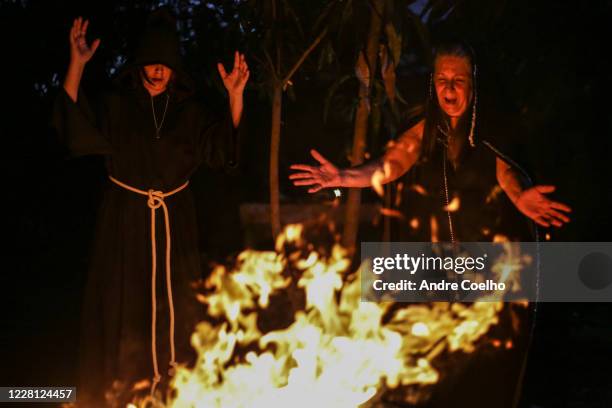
[[80, 54], [531, 201], [398, 159]]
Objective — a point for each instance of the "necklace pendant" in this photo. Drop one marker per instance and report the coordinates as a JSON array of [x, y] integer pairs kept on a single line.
[[158, 127]]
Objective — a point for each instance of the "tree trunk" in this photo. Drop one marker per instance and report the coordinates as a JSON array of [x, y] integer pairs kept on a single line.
[[351, 222], [277, 99]]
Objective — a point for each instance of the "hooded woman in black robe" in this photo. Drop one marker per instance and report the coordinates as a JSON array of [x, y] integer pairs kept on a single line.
[[139, 309]]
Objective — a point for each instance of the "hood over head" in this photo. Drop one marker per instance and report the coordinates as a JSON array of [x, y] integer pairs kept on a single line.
[[159, 44]]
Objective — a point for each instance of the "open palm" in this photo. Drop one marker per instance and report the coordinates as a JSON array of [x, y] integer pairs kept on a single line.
[[80, 51], [236, 80], [534, 204], [324, 176]]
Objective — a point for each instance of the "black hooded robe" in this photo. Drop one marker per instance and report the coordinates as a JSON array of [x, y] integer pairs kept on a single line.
[[116, 314]]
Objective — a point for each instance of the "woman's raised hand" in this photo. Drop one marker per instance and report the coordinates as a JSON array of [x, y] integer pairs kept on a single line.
[[535, 205], [236, 80], [80, 51], [324, 176]]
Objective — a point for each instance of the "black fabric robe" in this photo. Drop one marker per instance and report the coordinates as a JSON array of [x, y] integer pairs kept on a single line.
[[116, 314]]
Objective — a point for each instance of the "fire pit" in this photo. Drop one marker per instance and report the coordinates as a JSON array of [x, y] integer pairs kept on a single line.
[[288, 328]]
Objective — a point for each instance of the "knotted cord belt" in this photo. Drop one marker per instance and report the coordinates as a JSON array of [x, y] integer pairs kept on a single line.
[[156, 200]]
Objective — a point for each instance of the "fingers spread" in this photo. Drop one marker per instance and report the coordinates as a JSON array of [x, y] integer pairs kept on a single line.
[[551, 220], [558, 215], [84, 28], [95, 44], [302, 167], [541, 221], [318, 157], [75, 31], [560, 206], [306, 182], [296, 176], [545, 188], [315, 189], [236, 60], [221, 69]]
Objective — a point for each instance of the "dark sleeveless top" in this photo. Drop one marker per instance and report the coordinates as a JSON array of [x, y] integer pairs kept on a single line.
[[483, 209]]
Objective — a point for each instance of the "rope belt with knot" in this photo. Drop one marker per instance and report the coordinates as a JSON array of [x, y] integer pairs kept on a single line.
[[155, 201]]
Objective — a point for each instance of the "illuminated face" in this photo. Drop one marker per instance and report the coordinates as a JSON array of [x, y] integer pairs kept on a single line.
[[452, 79], [157, 78]]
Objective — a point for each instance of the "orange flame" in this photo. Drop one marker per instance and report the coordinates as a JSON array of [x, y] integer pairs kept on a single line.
[[339, 351]]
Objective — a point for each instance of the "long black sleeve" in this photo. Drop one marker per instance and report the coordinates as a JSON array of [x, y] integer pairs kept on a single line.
[[78, 128], [220, 140]]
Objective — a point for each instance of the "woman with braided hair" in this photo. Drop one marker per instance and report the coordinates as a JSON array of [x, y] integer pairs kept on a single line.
[[139, 310], [458, 166], [462, 172]]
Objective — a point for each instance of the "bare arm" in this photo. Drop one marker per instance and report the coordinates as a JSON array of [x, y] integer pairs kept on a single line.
[[80, 54], [398, 159], [235, 82], [73, 80], [360, 176], [531, 201]]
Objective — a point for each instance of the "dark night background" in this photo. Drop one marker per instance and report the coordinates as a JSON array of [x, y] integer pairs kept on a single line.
[[546, 62]]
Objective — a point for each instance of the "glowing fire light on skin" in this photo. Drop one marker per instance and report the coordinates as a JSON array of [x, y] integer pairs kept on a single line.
[[337, 352]]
